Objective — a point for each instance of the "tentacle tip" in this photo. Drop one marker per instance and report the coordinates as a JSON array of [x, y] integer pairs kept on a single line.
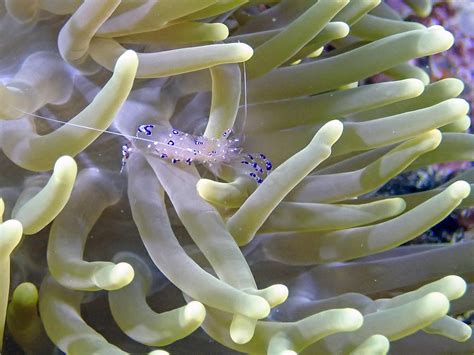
[[354, 319], [223, 31], [431, 139], [65, 166], [245, 51], [335, 125], [158, 352], [344, 28], [276, 294], [194, 312], [436, 40], [416, 85], [65, 159], [438, 301], [456, 285], [128, 59], [241, 336], [466, 335], [288, 352], [460, 189], [114, 277], [242, 239], [11, 232], [330, 132], [26, 295]]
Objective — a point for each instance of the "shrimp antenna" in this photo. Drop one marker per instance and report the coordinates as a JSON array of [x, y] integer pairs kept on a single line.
[[186, 148], [130, 137], [142, 129], [245, 92]]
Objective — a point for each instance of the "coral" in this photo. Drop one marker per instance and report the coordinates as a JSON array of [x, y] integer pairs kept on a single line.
[[457, 16], [277, 242]]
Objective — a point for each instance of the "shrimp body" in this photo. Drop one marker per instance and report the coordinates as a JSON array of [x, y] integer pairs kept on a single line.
[[180, 147], [176, 146]]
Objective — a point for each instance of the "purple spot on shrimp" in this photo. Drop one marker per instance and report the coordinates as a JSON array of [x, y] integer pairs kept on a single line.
[[189, 161], [170, 142], [145, 128], [163, 156], [257, 178], [174, 161], [268, 165], [175, 131]]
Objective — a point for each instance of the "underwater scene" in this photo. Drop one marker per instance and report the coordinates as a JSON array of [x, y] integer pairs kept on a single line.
[[229, 177]]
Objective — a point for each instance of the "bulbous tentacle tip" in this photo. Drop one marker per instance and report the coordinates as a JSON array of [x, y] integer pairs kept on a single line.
[[26, 295], [436, 40], [128, 59], [274, 294], [115, 276], [437, 300], [416, 85], [194, 313], [350, 319], [65, 168], [242, 329], [245, 51], [330, 132], [222, 31], [375, 344], [11, 232], [158, 352], [465, 333], [257, 308], [459, 189], [455, 284]]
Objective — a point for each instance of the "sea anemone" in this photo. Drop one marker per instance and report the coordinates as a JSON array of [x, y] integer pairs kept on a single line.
[[242, 212]]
